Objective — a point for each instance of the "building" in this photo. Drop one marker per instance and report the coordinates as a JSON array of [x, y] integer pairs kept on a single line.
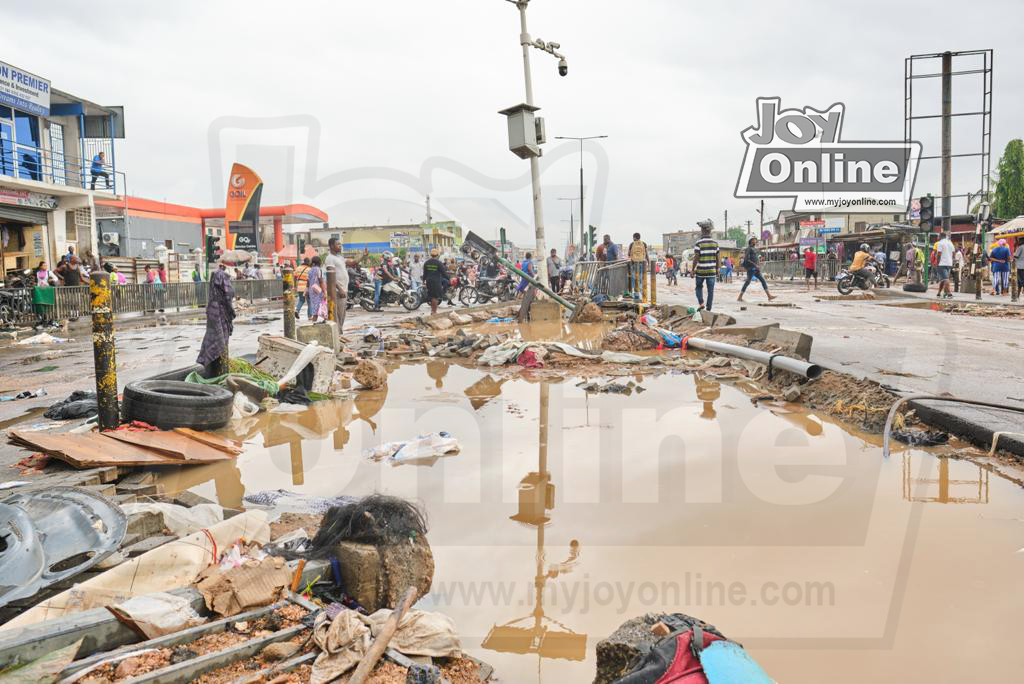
[[136, 227], [786, 227], [407, 237], [51, 169], [681, 241]]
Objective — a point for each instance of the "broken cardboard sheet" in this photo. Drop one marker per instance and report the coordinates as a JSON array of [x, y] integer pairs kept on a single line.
[[44, 669], [173, 565], [342, 641], [255, 584], [156, 614]]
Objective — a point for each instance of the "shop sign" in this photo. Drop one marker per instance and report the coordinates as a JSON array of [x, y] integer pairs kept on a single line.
[[24, 91], [26, 198]]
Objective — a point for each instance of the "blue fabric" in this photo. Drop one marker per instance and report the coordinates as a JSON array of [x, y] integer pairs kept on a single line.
[[611, 252], [377, 284], [97, 165], [725, 662], [1000, 253]]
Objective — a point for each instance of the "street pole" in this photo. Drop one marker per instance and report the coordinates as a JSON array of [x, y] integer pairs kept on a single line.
[[581, 140], [538, 210], [104, 357]]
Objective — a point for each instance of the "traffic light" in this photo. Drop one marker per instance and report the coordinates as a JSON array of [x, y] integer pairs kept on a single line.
[[927, 213], [211, 248], [591, 238]]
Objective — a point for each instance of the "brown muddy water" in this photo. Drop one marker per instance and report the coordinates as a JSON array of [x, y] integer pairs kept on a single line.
[[789, 533]]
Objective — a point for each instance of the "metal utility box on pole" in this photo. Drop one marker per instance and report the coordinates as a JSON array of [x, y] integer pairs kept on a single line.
[[522, 130]]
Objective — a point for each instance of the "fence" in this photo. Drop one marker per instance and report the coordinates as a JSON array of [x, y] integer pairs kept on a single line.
[[793, 269], [65, 303], [610, 279]]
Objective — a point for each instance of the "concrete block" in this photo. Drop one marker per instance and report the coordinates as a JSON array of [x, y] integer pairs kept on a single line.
[[325, 334], [439, 323], [145, 524], [792, 342], [360, 573], [459, 319], [545, 310], [280, 353], [751, 333], [377, 576]]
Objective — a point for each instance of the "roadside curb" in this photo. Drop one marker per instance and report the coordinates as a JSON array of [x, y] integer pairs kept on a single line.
[[976, 424]]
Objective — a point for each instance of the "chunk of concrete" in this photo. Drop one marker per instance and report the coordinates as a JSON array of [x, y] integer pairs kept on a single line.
[[280, 353], [751, 333], [459, 319], [439, 323], [377, 576], [325, 334], [716, 320], [370, 374], [791, 393], [796, 343], [545, 310]]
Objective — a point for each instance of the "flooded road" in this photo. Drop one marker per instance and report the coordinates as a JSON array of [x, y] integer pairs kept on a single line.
[[567, 513]]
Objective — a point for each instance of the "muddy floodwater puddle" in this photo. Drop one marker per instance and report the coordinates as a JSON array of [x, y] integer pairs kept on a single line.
[[566, 514]]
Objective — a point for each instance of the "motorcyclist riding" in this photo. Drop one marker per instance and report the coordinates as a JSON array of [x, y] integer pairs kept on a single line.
[[861, 265], [386, 273]]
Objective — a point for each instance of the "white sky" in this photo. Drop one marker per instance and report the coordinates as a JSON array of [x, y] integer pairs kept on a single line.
[[399, 97]]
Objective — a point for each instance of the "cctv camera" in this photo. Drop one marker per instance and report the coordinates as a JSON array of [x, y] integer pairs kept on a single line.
[[554, 46], [563, 68]]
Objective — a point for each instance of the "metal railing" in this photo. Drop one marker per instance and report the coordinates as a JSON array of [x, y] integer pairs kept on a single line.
[[66, 303], [610, 279], [35, 163], [793, 269]]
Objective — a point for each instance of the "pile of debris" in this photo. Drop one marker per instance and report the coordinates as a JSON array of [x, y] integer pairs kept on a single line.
[[985, 310]]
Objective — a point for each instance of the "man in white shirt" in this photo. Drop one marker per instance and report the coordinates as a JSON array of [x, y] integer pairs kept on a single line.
[[945, 250], [336, 261]]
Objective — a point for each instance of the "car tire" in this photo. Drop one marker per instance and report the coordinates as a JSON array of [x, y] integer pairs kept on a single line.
[[171, 403], [915, 287]]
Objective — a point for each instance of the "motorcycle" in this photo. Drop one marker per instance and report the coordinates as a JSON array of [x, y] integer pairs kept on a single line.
[[846, 280], [16, 297], [500, 289], [392, 292]]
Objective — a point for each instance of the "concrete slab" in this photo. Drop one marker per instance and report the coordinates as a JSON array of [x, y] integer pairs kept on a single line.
[[325, 334], [976, 424], [280, 353]]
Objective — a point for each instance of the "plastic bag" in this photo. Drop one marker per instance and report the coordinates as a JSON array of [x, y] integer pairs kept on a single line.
[[243, 407], [423, 447]]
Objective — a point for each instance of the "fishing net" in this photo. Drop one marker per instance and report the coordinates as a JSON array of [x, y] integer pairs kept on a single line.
[[375, 519]]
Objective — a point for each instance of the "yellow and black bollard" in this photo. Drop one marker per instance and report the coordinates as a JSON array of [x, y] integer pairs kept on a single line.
[[332, 279], [287, 283], [654, 285], [102, 309]]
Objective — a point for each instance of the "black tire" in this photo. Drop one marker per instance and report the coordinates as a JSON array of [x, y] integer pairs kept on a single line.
[[411, 301], [915, 287], [467, 295], [845, 285], [883, 281], [366, 304], [6, 315], [171, 403]]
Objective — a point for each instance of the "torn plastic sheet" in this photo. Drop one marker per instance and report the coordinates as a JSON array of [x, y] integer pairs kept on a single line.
[[154, 615], [423, 447], [179, 519]]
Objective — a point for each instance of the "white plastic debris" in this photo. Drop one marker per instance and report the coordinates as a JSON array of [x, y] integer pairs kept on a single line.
[[42, 338], [158, 614], [425, 446], [180, 520]]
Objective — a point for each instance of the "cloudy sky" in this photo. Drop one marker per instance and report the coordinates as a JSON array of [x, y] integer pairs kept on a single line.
[[362, 108]]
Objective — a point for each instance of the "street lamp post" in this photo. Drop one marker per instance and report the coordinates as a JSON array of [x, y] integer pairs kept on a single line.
[[563, 69], [583, 223], [572, 224]]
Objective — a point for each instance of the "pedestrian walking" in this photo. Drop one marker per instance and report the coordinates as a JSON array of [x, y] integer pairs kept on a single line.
[[1018, 256], [943, 253], [810, 268], [435, 280], [999, 257], [416, 273], [220, 316], [637, 265], [301, 285], [316, 287], [750, 262], [706, 257], [529, 269]]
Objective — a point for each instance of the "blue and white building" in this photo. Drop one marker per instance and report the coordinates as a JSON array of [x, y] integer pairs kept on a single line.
[[51, 170]]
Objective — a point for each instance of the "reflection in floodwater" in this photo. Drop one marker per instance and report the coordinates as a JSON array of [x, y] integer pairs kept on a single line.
[[437, 370], [484, 390], [941, 489], [545, 636], [708, 391]]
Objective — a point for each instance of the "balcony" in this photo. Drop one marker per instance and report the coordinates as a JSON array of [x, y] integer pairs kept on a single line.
[[26, 163]]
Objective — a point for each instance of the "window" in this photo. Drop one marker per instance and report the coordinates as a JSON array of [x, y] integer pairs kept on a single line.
[[57, 153], [26, 151]]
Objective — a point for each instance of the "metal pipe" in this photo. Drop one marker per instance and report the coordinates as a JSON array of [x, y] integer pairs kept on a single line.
[[796, 366], [931, 397], [535, 282]]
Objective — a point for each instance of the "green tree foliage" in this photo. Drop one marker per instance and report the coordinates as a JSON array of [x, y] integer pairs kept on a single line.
[[737, 233], [1009, 196]]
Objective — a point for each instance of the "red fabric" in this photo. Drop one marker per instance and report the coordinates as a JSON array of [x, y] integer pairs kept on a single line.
[[809, 259], [529, 360], [685, 669]]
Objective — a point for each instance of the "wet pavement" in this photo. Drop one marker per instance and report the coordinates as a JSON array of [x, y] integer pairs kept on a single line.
[[786, 531]]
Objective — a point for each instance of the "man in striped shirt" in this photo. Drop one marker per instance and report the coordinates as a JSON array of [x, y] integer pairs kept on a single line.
[[705, 264]]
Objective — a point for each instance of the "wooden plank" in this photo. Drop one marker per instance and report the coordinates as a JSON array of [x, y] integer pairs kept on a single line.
[[172, 444], [216, 441], [90, 449]]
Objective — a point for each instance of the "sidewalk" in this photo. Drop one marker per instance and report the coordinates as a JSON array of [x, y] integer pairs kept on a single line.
[[912, 350]]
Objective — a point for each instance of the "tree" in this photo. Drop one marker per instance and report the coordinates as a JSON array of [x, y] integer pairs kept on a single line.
[[1009, 195], [737, 234]]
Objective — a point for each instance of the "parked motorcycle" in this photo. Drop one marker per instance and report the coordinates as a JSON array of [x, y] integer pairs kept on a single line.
[[500, 289], [846, 280], [393, 292]]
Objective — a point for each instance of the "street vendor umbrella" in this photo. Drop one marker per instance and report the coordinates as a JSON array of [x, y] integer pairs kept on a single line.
[[1014, 228]]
